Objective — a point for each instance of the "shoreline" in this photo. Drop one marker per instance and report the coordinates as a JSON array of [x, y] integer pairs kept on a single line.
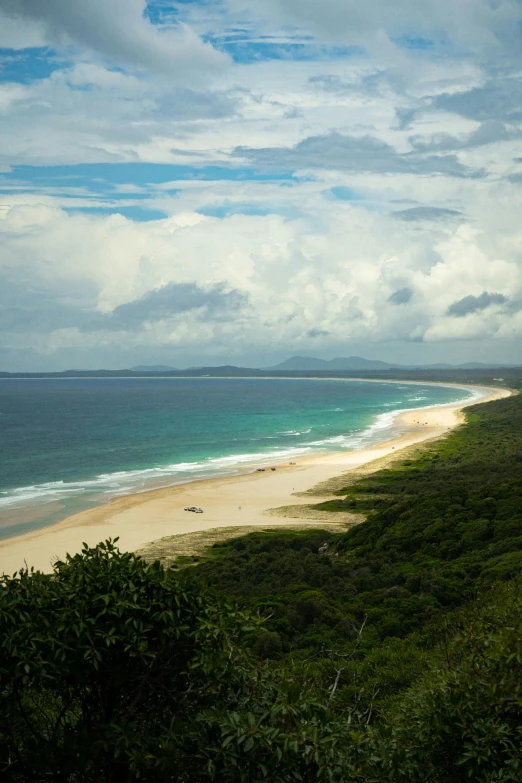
[[252, 378], [233, 500], [38, 515]]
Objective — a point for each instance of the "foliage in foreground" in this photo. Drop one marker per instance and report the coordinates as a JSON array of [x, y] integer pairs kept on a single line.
[[112, 670], [463, 720], [115, 670]]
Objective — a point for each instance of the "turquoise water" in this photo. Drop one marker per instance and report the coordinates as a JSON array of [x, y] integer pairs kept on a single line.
[[66, 444]]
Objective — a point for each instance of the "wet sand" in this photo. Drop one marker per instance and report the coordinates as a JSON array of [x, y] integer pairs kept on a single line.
[[232, 501]]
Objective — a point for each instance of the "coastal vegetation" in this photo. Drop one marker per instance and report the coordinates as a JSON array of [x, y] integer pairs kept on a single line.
[[113, 670], [389, 652], [439, 529]]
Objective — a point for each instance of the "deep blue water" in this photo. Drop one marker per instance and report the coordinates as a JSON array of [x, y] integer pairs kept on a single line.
[[66, 444]]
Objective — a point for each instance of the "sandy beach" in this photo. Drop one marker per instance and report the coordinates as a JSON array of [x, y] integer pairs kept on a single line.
[[232, 501]]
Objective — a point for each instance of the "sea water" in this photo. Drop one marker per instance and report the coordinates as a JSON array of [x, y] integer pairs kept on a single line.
[[67, 444]]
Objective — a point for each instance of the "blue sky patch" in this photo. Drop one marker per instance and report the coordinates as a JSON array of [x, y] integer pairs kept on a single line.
[[160, 11], [343, 193], [28, 65], [117, 184], [415, 42], [226, 210], [245, 48], [102, 177], [249, 208]]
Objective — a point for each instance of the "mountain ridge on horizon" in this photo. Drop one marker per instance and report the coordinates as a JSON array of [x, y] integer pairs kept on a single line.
[[292, 365], [340, 363], [153, 368], [311, 363]]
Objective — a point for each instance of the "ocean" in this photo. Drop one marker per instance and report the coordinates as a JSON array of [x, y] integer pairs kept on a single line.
[[68, 444]]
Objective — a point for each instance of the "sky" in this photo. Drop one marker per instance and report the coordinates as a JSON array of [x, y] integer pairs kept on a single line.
[[234, 181]]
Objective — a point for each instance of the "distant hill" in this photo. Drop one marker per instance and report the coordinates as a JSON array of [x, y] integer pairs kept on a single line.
[[153, 368], [297, 366], [350, 363], [311, 363]]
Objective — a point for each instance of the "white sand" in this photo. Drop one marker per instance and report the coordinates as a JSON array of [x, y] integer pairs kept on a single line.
[[229, 501]]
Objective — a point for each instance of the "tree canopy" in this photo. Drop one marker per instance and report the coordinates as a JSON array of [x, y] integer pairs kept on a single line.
[[393, 656], [115, 670]]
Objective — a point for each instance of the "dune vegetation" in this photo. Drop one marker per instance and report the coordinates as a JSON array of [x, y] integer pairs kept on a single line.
[[388, 652]]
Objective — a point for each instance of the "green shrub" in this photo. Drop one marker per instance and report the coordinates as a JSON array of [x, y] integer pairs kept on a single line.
[[115, 670], [463, 720]]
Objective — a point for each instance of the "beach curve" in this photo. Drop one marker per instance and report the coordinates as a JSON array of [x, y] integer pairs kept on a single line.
[[229, 501]]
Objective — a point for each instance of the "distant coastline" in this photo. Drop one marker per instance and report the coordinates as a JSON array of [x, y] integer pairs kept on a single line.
[[398, 373], [296, 366], [235, 500], [71, 481]]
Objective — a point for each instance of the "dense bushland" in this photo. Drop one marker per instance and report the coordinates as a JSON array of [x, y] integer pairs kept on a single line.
[[462, 721], [439, 529], [394, 655], [112, 670]]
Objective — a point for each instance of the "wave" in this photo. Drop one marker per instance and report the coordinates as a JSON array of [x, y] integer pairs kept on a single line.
[[385, 420], [125, 481], [107, 485]]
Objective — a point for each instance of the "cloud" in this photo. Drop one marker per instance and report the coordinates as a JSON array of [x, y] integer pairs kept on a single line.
[[43, 313], [119, 30], [489, 132], [405, 117], [401, 296], [330, 83], [173, 299], [18, 33], [91, 114], [353, 22], [313, 333], [376, 183], [33, 303], [156, 283], [474, 304], [340, 152], [497, 101], [414, 214]]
